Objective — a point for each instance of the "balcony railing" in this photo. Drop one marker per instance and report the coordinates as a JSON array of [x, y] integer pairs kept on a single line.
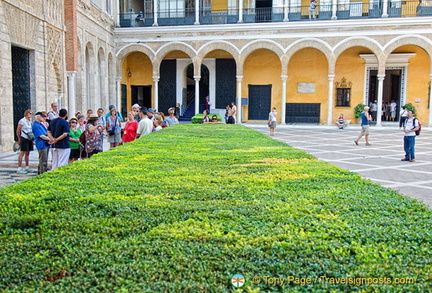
[[351, 10]]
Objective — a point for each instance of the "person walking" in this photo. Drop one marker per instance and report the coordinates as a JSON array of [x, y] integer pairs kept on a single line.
[[58, 132], [25, 140], [42, 141], [272, 121], [410, 127], [365, 118]]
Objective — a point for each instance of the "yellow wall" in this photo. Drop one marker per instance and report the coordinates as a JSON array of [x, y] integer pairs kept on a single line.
[[141, 73], [219, 54], [176, 55], [218, 5], [309, 66], [263, 67], [351, 66], [418, 80]]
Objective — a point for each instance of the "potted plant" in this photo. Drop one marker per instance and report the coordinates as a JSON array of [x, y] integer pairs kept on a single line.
[[358, 110]]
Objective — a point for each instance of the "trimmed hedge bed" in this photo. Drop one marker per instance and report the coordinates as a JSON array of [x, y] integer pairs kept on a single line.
[[186, 208]]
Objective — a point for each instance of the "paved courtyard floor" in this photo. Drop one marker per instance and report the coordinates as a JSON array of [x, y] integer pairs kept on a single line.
[[380, 162]]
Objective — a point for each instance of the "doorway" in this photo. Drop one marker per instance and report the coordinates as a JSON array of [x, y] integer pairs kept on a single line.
[[259, 101], [141, 95], [263, 10], [20, 83], [392, 90], [204, 88]]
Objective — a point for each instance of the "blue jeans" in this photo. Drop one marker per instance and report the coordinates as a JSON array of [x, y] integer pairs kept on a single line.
[[409, 142]]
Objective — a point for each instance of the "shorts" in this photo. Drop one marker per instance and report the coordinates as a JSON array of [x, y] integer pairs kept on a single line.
[[26, 145], [365, 130], [114, 138], [74, 154], [272, 124]]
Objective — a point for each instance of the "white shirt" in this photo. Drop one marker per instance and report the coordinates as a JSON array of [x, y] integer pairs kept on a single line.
[[409, 124], [272, 116], [145, 126]]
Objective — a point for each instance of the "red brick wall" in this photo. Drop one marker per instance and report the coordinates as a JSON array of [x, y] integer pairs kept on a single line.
[[71, 49]]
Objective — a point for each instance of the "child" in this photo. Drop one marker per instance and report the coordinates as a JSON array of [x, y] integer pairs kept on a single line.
[[272, 121]]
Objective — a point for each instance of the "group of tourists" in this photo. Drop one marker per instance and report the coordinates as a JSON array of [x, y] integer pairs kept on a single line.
[[82, 136]]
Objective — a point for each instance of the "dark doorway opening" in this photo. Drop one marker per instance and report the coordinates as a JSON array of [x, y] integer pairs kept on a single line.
[[259, 102], [123, 100], [141, 95], [391, 91], [263, 10], [20, 83], [203, 88]]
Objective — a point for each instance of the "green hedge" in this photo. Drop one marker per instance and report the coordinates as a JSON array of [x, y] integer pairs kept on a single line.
[[199, 117], [186, 208]]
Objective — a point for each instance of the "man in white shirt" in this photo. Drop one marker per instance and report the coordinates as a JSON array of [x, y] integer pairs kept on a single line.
[[393, 108], [410, 127], [54, 113], [145, 125]]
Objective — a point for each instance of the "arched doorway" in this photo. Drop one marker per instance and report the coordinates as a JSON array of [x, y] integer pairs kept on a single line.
[[190, 90]]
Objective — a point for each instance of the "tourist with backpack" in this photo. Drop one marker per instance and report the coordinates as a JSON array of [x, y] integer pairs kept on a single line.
[[410, 129]]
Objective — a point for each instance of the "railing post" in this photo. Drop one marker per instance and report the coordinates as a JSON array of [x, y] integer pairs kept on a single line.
[[385, 9], [197, 8], [240, 16], [334, 10], [155, 11], [286, 10]]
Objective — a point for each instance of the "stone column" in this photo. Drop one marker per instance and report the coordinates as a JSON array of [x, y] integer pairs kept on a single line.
[[197, 93], [334, 10], [385, 9], [430, 101], [286, 10], [284, 97], [155, 12], [239, 104], [240, 11], [71, 92], [118, 99], [330, 99], [156, 92], [380, 98], [197, 8]]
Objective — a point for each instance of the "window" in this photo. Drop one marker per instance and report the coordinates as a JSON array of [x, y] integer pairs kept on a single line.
[[343, 93]]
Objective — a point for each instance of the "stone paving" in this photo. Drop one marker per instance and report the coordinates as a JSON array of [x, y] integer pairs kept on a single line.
[[380, 162]]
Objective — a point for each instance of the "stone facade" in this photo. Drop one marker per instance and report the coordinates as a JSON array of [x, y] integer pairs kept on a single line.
[[56, 68]]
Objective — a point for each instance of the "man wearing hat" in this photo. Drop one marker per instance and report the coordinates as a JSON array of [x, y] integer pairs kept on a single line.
[[42, 141], [150, 113], [365, 118], [119, 115]]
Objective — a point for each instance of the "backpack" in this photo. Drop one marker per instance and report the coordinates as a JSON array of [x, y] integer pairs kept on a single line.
[[417, 132]]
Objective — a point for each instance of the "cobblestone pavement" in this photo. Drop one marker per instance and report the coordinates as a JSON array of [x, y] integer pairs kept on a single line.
[[380, 162]]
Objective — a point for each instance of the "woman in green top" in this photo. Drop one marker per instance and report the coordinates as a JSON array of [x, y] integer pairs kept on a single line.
[[74, 140]]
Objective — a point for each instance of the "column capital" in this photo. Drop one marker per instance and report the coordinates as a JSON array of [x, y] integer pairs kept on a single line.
[[380, 76], [71, 74], [331, 76], [197, 77], [156, 78], [284, 77]]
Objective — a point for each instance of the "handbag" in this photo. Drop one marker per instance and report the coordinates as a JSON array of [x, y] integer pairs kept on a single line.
[[16, 146], [30, 135], [113, 129]]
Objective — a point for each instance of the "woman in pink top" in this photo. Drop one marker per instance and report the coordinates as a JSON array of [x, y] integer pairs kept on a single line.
[[130, 128]]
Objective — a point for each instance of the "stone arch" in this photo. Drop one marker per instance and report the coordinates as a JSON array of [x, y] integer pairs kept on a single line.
[[416, 40], [101, 78], [260, 44], [366, 42], [313, 43], [111, 81], [126, 50], [219, 45], [174, 46], [89, 75]]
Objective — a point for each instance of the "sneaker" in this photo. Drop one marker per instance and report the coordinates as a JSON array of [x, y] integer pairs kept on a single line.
[[405, 159], [21, 171], [412, 160], [368, 144], [28, 170]]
